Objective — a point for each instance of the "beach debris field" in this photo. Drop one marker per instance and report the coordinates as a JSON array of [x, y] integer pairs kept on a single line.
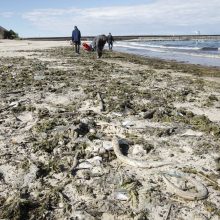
[[121, 137]]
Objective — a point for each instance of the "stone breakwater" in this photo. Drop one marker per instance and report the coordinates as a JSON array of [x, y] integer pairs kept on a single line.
[[59, 113], [140, 37]]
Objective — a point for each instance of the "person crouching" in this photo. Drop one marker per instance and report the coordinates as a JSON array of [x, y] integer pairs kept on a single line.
[[98, 44]]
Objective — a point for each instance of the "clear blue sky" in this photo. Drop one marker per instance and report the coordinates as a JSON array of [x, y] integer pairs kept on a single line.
[[121, 17]]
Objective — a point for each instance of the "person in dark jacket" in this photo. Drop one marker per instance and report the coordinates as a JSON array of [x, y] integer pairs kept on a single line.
[[110, 41], [76, 39], [98, 44]]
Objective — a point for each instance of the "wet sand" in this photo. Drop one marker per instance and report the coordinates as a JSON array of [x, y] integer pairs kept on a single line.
[[60, 111]]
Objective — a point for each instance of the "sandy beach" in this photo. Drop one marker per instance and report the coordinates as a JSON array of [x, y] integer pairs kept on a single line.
[[82, 138]]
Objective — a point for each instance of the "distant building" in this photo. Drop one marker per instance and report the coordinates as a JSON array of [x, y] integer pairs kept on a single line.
[[3, 32]]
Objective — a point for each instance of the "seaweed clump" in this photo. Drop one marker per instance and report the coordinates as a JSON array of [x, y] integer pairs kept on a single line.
[[198, 122]]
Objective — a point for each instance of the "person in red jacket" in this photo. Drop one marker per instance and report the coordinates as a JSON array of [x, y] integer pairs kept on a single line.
[[87, 47]]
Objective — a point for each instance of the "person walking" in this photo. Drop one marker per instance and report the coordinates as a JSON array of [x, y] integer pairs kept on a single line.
[[76, 39], [110, 40], [98, 44]]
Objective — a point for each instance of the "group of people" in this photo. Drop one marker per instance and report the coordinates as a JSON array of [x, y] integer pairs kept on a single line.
[[97, 45]]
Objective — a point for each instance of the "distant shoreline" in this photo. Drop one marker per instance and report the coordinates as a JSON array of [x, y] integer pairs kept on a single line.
[[132, 37]]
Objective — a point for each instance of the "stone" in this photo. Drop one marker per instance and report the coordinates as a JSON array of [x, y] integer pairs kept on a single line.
[[107, 145]]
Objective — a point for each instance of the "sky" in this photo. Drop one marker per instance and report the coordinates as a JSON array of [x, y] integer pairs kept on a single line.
[[54, 18]]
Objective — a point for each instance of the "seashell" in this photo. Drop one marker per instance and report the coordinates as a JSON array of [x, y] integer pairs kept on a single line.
[[121, 195]]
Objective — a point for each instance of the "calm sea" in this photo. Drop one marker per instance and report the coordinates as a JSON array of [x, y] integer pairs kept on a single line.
[[204, 52]]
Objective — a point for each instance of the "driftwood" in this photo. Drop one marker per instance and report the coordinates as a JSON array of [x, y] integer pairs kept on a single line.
[[149, 114], [75, 161], [169, 211], [102, 104], [134, 162], [201, 193], [4, 109], [210, 180], [14, 92]]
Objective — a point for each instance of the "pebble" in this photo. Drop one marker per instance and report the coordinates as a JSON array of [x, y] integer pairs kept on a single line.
[[190, 132], [117, 114], [61, 205], [138, 149], [107, 145], [95, 160], [121, 195], [102, 150], [127, 123], [85, 165], [14, 104], [92, 131]]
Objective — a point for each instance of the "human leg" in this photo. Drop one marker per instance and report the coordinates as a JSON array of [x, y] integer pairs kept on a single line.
[[78, 47], [75, 47], [99, 53], [111, 45]]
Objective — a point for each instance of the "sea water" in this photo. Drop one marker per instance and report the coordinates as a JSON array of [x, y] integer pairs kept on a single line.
[[204, 52]]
